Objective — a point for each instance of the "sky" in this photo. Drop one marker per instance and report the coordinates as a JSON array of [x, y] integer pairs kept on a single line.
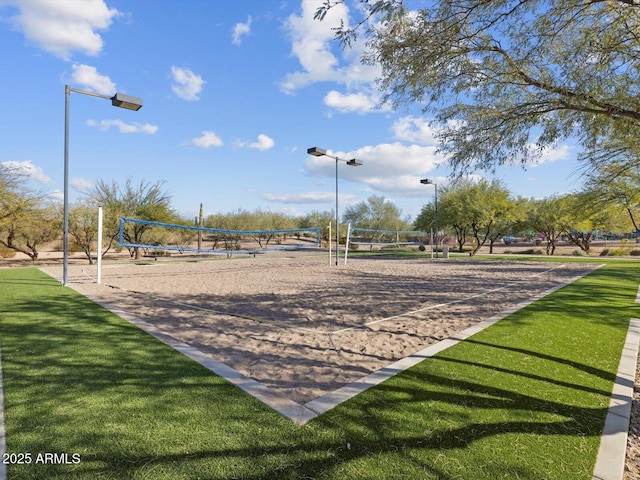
[[234, 93]]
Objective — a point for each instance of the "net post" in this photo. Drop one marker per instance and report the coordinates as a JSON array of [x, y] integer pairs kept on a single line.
[[121, 231], [431, 242], [329, 243], [99, 255], [346, 246]]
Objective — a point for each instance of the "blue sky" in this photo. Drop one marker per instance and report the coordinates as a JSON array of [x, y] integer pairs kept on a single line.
[[234, 93]]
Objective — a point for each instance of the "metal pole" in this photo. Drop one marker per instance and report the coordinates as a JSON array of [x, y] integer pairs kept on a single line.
[[436, 185], [200, 222], [346, 244], [99, 257], [337, 222], [329, 243], [65, 234]]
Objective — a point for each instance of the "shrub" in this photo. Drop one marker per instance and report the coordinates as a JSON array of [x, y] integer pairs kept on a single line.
[[614, 252], [532, 251], [7, 252], [635, 252], [619, 252]]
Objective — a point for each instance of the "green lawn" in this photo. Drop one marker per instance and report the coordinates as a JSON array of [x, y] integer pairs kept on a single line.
[[525, 398]]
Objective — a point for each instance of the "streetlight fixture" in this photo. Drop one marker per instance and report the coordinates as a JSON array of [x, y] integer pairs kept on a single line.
[[118, 100], [426, 181], [319, 152]]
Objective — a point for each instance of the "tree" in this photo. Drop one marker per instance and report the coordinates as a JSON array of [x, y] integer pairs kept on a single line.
[[145, 201], [585, 217], [318, 219], [239, 220], [505, 79], [453, 211], [27, 218], [548, 217], [616, 184], [267, 222], [83, 226], [509, 212], [376, 213], [34, 223], [481, 209]]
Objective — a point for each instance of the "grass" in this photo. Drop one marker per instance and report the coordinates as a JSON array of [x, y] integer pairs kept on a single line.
[[525, 398]]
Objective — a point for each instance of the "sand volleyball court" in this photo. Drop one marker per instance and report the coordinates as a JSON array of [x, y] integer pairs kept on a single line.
[[305, 328]]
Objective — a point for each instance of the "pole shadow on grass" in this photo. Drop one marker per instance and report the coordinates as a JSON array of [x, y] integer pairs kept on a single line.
[[79, 379]]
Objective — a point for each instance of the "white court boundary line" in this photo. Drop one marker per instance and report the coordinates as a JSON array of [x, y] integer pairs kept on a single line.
[[334, 332], [439, 305], [298, 413]]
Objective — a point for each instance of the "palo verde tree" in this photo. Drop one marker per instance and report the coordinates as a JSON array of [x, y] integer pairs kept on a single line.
[[376, 213], [585, 217], [617, 185], [144, 201], [320, 219], [27, 219], [548, 217], [83, 226], [505, 79], [480, 209]]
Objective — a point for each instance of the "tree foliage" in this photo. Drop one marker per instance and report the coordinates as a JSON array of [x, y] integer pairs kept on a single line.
[[617, 184], [504, 79], [480, 209], [83, 226], [548, 216], [27, 218], [145, 201], [584, 217], [376, 213]]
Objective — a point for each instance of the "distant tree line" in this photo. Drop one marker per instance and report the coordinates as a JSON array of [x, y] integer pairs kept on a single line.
[[474, 212]]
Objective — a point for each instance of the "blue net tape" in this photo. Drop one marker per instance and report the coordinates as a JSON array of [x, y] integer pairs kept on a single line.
[[315, 231], [412, 237]]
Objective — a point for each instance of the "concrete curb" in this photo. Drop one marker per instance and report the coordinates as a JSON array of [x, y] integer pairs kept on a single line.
[[613, 445], [3, 435]]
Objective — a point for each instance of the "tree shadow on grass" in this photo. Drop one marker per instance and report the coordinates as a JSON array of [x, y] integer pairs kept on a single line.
[[80, 380]]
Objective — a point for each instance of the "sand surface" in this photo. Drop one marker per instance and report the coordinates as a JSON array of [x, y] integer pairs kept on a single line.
[[305, 328]]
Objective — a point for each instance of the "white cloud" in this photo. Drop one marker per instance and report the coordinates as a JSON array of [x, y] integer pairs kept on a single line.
[[264, 143], [313, 42], [549, 155], [187, 85], [412, 129], [206, 140], [124, 127], [353, 102], [240, 30], [387, 168], [62, 27], [28, 169], [81, 184], [308, 197], [89, 78], [56, 194]]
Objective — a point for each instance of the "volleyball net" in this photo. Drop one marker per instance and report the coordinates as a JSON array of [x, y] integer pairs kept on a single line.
[[386, 238], [154, 236]]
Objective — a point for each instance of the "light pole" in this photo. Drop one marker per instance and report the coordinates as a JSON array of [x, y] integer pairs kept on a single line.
[[319, 152], [118, 100], [426, 181]]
